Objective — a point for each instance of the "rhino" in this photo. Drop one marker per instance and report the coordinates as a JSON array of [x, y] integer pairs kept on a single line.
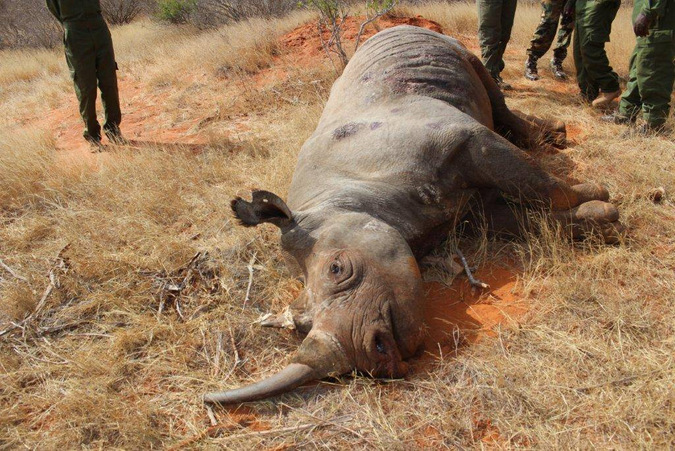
[[414, 134]]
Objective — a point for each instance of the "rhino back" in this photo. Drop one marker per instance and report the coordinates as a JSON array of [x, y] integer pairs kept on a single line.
[[404, 61]]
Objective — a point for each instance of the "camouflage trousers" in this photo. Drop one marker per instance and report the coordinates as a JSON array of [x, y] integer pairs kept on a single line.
[[546, 31]]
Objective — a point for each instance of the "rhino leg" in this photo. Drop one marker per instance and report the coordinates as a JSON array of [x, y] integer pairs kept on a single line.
[[492, 213], [523, 130], [506, 219], [492, 162]]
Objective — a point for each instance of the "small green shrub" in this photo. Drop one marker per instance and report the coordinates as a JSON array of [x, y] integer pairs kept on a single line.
[[175, 11]]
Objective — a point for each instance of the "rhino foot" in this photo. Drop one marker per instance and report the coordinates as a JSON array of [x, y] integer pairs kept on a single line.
[[531, 132], [555, 134], [587, 192], [592, 218]]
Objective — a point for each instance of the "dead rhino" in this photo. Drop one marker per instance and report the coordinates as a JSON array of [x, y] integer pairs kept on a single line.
[[413, 133]]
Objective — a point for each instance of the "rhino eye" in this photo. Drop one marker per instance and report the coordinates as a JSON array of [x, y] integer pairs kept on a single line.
[[335, 268], [340, 269]]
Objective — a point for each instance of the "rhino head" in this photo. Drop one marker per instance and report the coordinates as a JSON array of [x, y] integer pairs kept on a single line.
[[360, 305]]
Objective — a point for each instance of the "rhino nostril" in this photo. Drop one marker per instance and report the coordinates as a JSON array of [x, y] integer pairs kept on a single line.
[[379, 345]]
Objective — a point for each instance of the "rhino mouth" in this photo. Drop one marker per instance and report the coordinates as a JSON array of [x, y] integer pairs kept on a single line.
[[384, 354]]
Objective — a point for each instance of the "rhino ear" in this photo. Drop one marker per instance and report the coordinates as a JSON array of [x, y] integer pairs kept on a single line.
[[264, 207]]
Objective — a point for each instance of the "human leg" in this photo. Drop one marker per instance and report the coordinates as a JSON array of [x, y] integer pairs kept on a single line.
[[106, 71], [489, 33], [81, 59], [631, 101], [655, 75]]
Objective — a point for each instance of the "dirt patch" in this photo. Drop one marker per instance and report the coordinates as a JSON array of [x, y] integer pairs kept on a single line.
[[304, 41], [459, 314], [575, 134]]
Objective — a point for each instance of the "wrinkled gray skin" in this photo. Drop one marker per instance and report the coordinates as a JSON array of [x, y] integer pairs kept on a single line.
[[412, 134]]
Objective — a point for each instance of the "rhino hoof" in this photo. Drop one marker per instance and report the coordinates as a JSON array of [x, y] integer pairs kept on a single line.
[[591, 191]]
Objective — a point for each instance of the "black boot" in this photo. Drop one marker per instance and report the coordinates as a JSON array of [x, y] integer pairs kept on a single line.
[[617, 118], [531, 72], [95, 144], [557, 69]]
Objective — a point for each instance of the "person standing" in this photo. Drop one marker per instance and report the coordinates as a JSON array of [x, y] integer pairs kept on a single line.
[[495, 21], [552, 11], [597, 80], [91, 60], [652, 67]]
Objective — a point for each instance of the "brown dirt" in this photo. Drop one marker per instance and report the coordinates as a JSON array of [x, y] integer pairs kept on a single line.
[[575, 134], [461, 314], [305, 44]]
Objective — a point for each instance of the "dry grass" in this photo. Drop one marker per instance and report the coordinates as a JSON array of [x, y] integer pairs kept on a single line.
[[114, 360]]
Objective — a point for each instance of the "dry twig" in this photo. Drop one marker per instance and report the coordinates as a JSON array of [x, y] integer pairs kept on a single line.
[[250, 280], [53, 283], [472, 280], [12, 272], [237, 360], [212, 416]]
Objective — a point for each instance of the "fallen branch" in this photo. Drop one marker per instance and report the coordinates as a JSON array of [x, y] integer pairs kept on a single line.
[[219, 351], [234, 348], [53, 283], [12, 272], [177, 305], [50, 330], [212, 416], [166, 285], [472, 280], [45, 295], [11, 328], [250, 280], [160, 309], [628, 380], [237, 359], [285, 430]]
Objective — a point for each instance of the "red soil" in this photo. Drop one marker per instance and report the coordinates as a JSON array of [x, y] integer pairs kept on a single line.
[[575, 134], [461, 314], [304, 41]]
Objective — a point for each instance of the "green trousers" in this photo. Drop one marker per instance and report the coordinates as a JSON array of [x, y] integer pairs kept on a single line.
[[593, 26], [91, 59], [652, 72], [495, 21], [546, 31]]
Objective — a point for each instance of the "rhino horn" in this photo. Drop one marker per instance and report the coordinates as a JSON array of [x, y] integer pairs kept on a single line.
[[286, 380], [318, 356]]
